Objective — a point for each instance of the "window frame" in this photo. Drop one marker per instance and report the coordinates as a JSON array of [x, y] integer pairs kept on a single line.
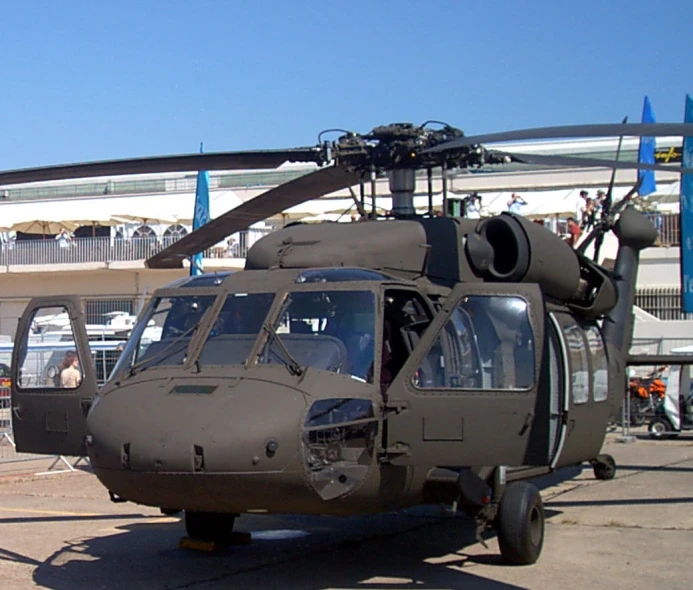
[[598, 334], [442, 333], [569, 323]]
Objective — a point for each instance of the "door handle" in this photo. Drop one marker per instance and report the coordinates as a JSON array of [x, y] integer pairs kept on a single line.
[[527, 424], [15, 412]]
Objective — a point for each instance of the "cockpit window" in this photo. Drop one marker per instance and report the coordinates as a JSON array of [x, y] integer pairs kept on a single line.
[[487, 343], [163, 334], [236, 328], [328, 330]]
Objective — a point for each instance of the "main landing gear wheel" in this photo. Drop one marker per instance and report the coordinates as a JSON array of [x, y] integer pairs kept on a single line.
[[521, 524], [604, 467], [210, 526]]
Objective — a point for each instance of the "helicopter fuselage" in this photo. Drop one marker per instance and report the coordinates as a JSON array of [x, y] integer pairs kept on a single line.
[[297, 425]]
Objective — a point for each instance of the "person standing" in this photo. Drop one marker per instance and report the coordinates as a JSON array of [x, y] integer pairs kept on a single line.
[[70, 376], [64, 238], [473, 206], [574, 232], [589, 215], [516, 203]]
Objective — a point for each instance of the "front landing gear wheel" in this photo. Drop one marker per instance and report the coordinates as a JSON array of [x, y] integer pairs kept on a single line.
[[521, 524], [210, 526], [604, 467]]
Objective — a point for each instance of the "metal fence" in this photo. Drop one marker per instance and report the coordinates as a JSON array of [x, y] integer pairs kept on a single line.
[[668, 227], [153, 185], [662, 302], [97, 310], [661, 345], [85, 250]]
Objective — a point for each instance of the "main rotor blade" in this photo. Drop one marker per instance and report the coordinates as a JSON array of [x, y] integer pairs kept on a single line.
[[259, 159], [568, 131], [552, 160], [274, 201]]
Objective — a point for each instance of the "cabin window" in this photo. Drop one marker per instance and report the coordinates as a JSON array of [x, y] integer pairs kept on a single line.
[[236, 328], [579, 368], [49, 357], [600, 366], [487, 343]]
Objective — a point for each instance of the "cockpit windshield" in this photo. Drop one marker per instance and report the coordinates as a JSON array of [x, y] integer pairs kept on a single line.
[[236, 328], [328, 330], [163, 334]]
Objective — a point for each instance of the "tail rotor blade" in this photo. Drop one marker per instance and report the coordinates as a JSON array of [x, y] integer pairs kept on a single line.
[[274, 201], [607, 222], [608, 200]]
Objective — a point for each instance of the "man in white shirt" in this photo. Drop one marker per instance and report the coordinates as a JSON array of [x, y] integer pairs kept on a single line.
[[516, 203]]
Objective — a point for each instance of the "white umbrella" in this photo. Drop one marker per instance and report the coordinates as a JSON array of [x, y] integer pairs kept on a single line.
[[51, 217], [43, 226], [145, 217]]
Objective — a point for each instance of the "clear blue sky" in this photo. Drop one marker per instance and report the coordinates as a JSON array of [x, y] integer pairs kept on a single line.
[[85, 80]]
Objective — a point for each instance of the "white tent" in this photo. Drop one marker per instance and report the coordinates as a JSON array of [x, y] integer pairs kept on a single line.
[[152, 209]]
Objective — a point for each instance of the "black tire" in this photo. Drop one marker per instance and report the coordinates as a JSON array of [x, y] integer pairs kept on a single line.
[[209, 526], [637, 418], [521, 524], [660, 428], [604, 467]]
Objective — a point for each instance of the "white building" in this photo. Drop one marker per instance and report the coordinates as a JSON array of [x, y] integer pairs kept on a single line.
[[118, 222]]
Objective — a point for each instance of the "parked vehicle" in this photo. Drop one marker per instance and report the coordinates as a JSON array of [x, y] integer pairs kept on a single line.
[[675, 414]]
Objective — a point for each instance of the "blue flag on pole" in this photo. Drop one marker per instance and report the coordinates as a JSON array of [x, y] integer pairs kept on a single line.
[[646, 153], [201, 215], [686, 208]]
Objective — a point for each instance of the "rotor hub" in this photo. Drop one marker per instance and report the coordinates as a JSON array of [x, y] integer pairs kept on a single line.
[[402, 146]]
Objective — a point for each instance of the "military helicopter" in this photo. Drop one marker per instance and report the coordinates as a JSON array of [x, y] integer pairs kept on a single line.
[[359, 367]]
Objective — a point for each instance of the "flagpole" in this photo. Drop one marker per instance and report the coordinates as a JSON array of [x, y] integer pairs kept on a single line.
[[686, 216], [201, 215]]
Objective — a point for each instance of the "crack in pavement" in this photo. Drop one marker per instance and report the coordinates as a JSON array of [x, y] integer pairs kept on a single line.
[[619, 525]]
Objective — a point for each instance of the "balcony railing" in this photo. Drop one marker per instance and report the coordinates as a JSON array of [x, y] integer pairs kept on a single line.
[[85, 250], [668, 228]]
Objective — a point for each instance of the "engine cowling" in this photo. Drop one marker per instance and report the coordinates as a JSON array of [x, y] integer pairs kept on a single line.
[[525, 251]]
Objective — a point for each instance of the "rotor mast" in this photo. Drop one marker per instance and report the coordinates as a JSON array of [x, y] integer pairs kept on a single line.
[[402, 186]]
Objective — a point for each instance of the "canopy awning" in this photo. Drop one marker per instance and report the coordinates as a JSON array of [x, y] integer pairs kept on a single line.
[[35, 216]]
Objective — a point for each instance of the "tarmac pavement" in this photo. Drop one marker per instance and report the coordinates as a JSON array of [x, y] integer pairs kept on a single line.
[[61, 531]]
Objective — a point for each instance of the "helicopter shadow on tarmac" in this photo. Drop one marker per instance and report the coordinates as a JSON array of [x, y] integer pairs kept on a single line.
[[416, 549], [420, 547]]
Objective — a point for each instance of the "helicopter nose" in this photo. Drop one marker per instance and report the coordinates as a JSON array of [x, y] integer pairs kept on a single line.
[[230, 426]]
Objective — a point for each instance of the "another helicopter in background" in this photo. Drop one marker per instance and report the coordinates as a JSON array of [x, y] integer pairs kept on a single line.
[[360, 367]]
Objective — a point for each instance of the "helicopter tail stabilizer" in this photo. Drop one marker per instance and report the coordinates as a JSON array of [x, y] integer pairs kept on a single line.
[[635, 233]]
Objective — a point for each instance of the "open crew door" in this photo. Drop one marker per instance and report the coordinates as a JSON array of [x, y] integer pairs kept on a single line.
[[467, 394], [53, 378]]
